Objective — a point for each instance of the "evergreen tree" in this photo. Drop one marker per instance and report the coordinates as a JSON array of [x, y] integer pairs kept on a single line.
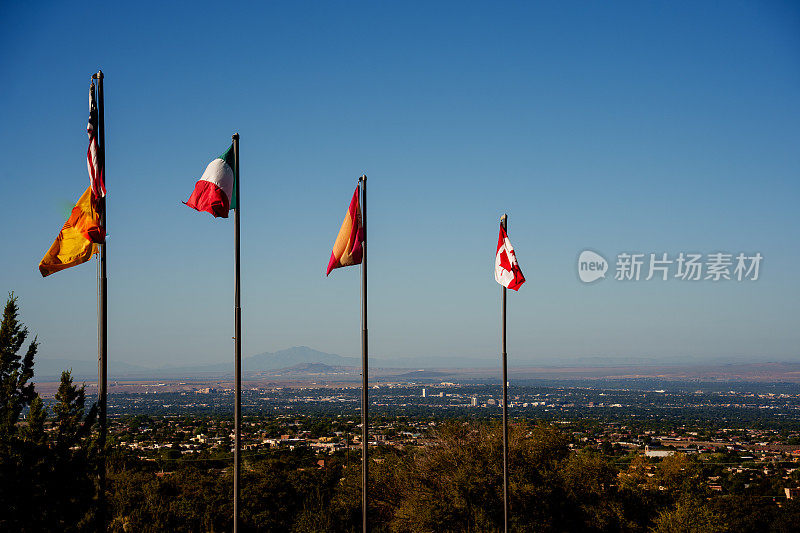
[[16, 369], [72, 455], [69, 413], [47, 481], [37, 414], [16, 393]]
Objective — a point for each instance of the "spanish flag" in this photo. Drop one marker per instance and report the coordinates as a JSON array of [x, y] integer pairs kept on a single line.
[[77, 240], [347, 249]]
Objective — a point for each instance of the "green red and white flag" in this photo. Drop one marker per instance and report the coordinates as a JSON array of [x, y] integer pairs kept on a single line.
[[215, 190], [347, 249], [506, 269]]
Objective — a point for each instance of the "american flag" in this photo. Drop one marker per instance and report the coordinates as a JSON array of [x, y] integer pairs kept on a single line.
[[92, 154]]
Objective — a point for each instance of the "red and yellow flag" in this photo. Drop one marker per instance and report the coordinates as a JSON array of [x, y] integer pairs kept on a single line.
[[77, 240], [347, 249]]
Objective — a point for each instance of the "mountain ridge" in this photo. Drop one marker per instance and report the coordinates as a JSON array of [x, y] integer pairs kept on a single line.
[[50, 369]]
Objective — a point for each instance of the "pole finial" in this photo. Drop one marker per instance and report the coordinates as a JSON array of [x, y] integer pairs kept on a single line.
[[99, 74], [363, 177], [235, 136]]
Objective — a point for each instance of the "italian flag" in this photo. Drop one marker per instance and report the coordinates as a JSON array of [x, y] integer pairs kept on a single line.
[[214, 192]]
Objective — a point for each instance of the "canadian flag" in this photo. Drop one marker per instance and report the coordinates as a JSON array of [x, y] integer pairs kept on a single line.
[[506, 268]]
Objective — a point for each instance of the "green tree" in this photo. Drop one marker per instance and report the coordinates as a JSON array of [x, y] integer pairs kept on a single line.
[[72, 426], [16, 369], [457, 484], [47, 478], [679, 475], [688, 516], [68, 479], [37, 414], [746, 513], [591, 482], [18, 464], [641, 498]]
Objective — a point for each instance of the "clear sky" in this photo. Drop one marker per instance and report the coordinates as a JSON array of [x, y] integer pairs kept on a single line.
[[613, 126]]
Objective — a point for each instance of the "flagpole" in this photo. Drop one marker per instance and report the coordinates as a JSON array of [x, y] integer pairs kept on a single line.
[[102, 316], [364, 360], [504, 223], [238, 350]]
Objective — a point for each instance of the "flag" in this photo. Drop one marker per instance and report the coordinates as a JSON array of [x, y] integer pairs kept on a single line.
[[77, 240], [347, 249], [214, 192], [96, 180], [506, 268]]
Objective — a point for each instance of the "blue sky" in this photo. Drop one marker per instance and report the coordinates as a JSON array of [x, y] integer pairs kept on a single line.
[[624, 126]]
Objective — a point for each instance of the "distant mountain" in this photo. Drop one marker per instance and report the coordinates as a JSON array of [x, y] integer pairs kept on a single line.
[[50, 369], [428, 362], [300, 361], [422, 374], [309, 370], [311, 367], [294, 356]]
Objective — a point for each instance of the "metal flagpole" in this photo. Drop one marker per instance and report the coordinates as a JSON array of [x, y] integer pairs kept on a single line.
[[238, 350], [504, 223], [102, 316], [364, 391]]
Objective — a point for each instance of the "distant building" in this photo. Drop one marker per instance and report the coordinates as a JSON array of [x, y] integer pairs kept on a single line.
[[657, 453], [791, 494], [474, 401], [424, 393]]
